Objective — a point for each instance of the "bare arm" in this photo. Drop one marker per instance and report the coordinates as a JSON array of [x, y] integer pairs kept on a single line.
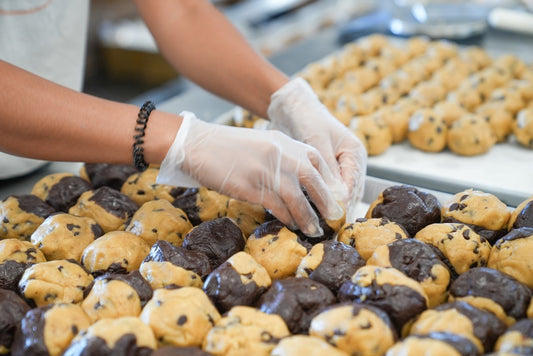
[[43, 120], [202, 44]]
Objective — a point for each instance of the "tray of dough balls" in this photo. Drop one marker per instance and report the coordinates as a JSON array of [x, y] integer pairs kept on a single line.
[[432, 113], [108, 262]]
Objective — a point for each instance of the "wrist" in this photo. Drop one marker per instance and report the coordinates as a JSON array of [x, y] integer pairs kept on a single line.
[[159, 135]]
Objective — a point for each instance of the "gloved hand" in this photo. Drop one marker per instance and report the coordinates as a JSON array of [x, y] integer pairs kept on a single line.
[[296, 110], [259, 166]]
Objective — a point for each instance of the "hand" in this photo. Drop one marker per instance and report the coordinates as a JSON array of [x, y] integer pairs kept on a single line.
[[296, 110], [259, 166]]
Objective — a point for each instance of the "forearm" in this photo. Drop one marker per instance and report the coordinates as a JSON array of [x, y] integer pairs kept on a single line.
[[40, 119], [203, 45]]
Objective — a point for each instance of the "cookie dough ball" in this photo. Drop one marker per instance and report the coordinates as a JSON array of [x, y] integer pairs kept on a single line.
[[277, 248], [428, 93], [238, 281], [419, 261], [494, 291], [397, 118], [518, 339], [511, 255], [374, 132], [141, 187], [499, 119], [60, 190], [452, 74], [373, 44], [523, 128], [297, 301], [466, 98], [524, 87], [356, 329], [160, 220], [442, 49], [110, 175], [478, 325], [49, 330], [180, 317], [12, 308], [522, 215], [401, 297], [416, 45], [202, 204], [449, 111], [461, 246], [330, 263], [427, 131], [63, 236], [511, 99], [406, 205], [476, 56], [245, 331], [21, 215], [305, 345], [247, 216], [470, 135], [123, 336], [15, 257], [367, 234], [179, 351], [435, 344], [399, 81], [54, 282], [108, 207]]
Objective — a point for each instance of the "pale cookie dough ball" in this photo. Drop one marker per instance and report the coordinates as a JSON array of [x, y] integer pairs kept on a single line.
[[180, 317], [123, 336], [54, 282], [449, 111], [15, 256], [470, 135], [305, 345], [511, 99], [238, 281], [396, 54], [427, 131], [397, 118], [277, 248], [160, 220], [21, 215], [50, 329], [356, 329], [518, 339], [499, 119], [374, 132], [247, 216], [115, 252], [511, 255], [434, 344], [510, 63], [466, 98], [401, 297], [524, 87], [428, 93], [462, 247], [443, 49], [13, 309], [202, 204], [373, 44], [523, 128], [60, 190], [141, 187], [416, 45], [245, 331], [108, 207], [522, 215], [476, 56], [63, 236], [451, 74], [382, 66], [367, 234], [399, 81]]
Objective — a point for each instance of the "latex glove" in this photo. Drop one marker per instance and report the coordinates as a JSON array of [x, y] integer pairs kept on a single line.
[[296, 110], [259, 166]]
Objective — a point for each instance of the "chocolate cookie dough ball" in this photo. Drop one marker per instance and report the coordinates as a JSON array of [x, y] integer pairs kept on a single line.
[[518, 339], [305, 345], [427, 131], [170, 266], [12, 308], [54, 282], [406, 205], [277, 248], [435, 344], [511, 255], [460, 318], [108, 207], [523, 128], [115, 252], [356, 329], [499, 119], [470, 135], [123, 336], [15, 257], [60, 190], [63, 236], [117, 295], [494, 291], [419, 261], [247, 216], [238, 281], [522, 215], [103, 174], [160, 220], [330, 263], [367, 234], [483, 212], [374, 132], [202, 204], [401, 297], [49, 330], [180, 317], [141, 187], [245, 331], [20, 215], [461, 246]]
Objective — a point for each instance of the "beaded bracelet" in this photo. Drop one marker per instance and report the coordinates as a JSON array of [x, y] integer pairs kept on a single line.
[[138, 150]]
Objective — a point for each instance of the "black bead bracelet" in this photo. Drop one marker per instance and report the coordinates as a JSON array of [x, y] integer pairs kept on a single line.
[[138, 150]]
